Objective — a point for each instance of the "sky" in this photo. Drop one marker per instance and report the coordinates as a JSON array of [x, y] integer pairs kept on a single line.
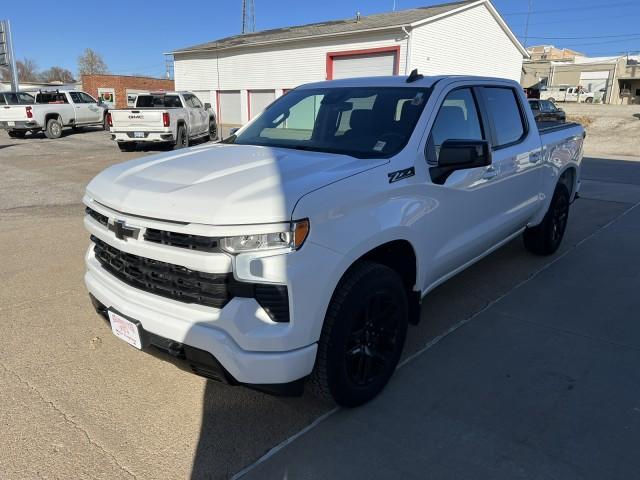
[[132, 35]]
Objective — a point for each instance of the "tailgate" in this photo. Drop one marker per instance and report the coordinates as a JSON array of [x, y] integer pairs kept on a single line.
[[130, 120], [12, 113]]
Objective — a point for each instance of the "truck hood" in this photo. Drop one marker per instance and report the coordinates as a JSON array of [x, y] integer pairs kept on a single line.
[[221, 184]]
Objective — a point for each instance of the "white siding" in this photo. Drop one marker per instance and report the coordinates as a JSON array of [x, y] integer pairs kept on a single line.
[[470, 42], [277, 66], [364, 65]]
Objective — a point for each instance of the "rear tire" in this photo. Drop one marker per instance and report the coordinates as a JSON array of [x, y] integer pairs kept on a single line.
[[54, 128], [551, 99], [362, 336], [16, 133], [544, 239], [126, 146], [182, 139]]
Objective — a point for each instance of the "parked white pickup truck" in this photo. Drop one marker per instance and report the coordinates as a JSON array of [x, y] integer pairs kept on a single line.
[[51, 112], [164, 117], [300, 248], [568, 94]]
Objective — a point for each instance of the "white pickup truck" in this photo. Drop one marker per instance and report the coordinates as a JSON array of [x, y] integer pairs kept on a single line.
[[51, 112], [568, 94], [164, 117], [300, 248]]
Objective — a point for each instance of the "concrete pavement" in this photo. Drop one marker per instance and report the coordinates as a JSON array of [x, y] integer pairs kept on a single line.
[[76, 402]]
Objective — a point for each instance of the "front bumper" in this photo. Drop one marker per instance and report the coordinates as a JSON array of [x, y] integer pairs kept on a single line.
[[194, 326], [198, 361], [148, 137], [19, 125]]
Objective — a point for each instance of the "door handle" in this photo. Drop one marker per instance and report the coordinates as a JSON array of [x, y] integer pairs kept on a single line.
[[490, 173]]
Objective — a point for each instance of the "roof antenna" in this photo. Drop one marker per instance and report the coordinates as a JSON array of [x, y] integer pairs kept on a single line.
[[414, 75]]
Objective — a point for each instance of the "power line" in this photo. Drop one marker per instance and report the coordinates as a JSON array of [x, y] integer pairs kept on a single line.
[[585, 37], [577, 19], [582, 8]]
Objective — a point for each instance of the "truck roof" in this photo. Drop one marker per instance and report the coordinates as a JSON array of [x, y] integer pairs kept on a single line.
[[397, 81]]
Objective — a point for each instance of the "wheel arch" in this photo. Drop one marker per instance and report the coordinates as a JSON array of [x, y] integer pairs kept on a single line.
[[52, 116], [399, 255]]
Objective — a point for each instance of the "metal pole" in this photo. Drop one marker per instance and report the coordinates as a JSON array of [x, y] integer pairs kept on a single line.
[[526, 27], [12, 57]]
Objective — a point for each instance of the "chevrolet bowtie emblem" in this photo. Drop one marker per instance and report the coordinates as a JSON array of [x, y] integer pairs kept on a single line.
[[122, 231]]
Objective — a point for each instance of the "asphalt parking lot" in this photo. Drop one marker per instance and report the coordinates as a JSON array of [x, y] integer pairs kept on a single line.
[[523, 367]]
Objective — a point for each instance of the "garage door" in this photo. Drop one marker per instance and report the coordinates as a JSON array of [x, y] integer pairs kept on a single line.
[[230, 113], [259, 100], [205, 96], [363, 65]]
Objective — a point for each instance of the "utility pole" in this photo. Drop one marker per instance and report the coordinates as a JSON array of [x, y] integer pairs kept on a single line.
[[7, 58], [526, 26], [248, 16]]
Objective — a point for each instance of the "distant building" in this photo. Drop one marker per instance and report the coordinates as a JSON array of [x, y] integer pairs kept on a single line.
[[5, 86], [241, 75], [120, 91], [616, 79], [549, 53]]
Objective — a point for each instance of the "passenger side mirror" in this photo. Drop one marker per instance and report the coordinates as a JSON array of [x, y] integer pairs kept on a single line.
[[460, 155], [233, 130], [207, 106]]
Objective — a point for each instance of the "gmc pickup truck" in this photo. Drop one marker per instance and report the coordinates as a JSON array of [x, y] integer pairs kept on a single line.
[[298, 250], [51, 112], [164, 117]]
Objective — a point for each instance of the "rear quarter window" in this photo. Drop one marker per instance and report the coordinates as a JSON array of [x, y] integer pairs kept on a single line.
[[505, 114]]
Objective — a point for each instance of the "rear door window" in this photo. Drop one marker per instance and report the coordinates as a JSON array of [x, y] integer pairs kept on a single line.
[[504, 111]]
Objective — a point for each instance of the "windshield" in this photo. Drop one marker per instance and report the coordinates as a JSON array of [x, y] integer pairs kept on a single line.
[[364, 122], [161, 101]]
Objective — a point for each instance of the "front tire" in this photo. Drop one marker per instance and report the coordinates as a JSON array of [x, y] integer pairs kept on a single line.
[[544, 239], [589, 100], [182, 139], [54, 128], [362, 336], [213, 131]]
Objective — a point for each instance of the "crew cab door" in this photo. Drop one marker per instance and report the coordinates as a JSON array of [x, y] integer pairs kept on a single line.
[[516, 155], [86, 108], [198, 117], [469, 201]]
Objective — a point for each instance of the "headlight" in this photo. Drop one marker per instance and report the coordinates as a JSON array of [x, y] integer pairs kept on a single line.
[[291, 239]]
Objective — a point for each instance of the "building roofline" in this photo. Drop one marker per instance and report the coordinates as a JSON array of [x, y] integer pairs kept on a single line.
[[463, 6]]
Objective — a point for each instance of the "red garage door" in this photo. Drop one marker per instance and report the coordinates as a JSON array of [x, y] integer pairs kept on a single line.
[[363, 63]]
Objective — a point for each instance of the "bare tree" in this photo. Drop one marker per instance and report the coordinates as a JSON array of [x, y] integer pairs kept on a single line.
[[27, 70], [57, 74], [91, 62]]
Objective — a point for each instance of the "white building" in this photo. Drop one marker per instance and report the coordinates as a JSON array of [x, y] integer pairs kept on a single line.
[[241, 75]]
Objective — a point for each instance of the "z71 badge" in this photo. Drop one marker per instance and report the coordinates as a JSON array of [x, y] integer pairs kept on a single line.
[[401, 174]]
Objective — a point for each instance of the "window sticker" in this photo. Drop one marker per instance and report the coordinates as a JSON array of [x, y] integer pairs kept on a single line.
[[379, 146]]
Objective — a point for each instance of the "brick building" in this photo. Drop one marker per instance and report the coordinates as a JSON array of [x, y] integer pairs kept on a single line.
[[121, 90]]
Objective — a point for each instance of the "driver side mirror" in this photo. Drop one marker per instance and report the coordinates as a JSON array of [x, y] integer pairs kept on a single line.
[[207, 106], [460, 155], [233, 131]]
